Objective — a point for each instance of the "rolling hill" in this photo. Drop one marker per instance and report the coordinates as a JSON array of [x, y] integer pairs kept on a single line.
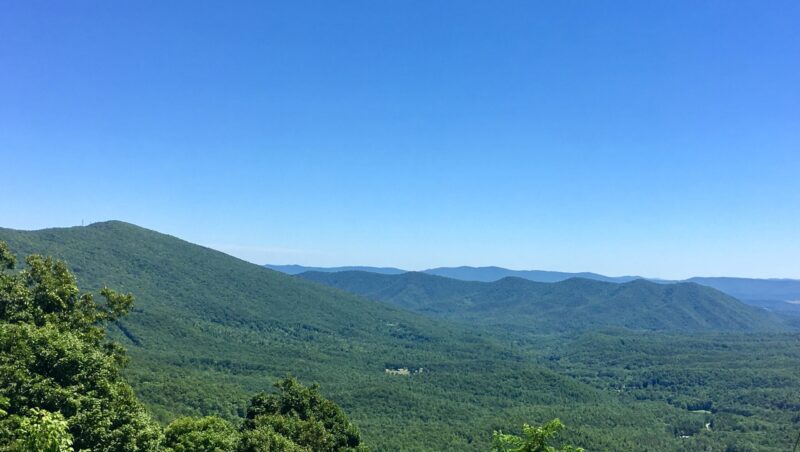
[[566, 306], [208, 330]]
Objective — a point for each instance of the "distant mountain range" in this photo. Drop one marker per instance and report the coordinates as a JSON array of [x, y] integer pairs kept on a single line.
[[491, 274], [484, 274], [755, 289], [773, 294], [297, 269], [575, 304]]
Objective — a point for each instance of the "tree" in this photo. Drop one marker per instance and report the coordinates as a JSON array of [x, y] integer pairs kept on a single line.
[[265, 439], [302, 415], [206, 434], [57, 365], [296, 419], [7, 258], [533, 439], [42, 431]]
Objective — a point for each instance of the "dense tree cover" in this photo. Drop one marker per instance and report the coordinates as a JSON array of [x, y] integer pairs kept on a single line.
[[208, 329], [303, 415], [40, 431], [735, 391], [55, 364], [61, 387]]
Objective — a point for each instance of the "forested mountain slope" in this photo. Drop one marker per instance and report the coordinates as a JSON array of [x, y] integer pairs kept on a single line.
[[208, 330], [777, 295], [571, 305]]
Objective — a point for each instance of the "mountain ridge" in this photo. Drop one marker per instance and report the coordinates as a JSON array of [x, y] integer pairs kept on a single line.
[[293, 269], [208, 330], [575, 304], [774, 293]]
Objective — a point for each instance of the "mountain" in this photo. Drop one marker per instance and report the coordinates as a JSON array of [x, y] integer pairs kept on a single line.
[[777, 295], [491, 274], [208, 330], [297, 269], [485, 274], [572, 305], [787, 290]]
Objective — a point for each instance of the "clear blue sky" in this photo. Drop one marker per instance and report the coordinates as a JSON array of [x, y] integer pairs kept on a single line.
[[643, 137]]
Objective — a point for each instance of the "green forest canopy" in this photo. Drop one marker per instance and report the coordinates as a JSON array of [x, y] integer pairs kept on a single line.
[[61, 387], [209, 330]]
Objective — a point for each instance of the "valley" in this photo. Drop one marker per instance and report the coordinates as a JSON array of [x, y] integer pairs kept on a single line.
[[208, 329]]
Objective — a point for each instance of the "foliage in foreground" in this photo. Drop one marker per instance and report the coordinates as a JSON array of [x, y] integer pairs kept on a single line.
[[297, 418], [533, 439], [54, 357], [61, 386]]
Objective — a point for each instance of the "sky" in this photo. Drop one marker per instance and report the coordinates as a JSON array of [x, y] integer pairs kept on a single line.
[[657, 138]]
